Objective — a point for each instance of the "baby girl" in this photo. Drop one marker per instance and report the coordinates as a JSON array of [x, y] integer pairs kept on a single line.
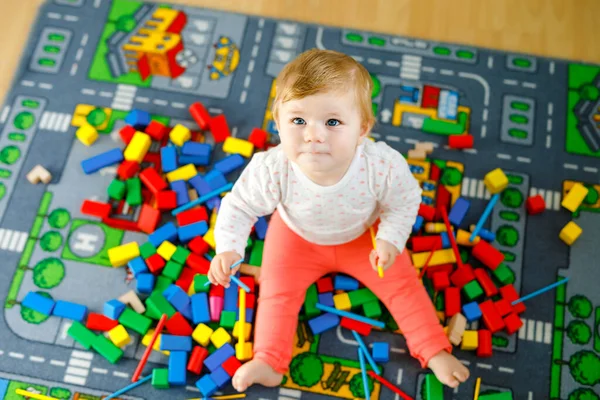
[[326, 184]]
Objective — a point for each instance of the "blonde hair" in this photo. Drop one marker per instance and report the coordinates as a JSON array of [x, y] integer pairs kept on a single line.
[[317, 71]]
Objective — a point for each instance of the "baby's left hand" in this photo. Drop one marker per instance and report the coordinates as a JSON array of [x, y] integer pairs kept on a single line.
[[384, 256]]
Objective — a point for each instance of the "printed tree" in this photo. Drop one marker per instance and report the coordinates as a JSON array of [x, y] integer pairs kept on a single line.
[[584, 367], [51, 241], [60, 393], [450, 176], [10, 154], [511, 197], [592, 196], [32, 316], [59, 218], [579, 332], [357, 387], [306, 369], [580, 306], [507, 236], [48, 273], [583, 394]]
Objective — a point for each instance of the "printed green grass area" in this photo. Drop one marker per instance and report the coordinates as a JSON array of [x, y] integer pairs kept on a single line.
[[579, 76], [14, 385], [557, 343], [112, 238]]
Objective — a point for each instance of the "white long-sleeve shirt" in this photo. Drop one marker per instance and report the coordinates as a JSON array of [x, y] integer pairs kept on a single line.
[[378, 184]]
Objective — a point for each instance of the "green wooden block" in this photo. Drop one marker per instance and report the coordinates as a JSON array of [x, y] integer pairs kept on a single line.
[[310, 301], [200, 283], [159, 304], [172, 270], [162, 282], [160, 378], [372, 309], [152, 314], [116, 189], [82, 335], [249, 243], [134, 321], [504, 274], [473, 290], [147, 250], [180, 255], [433, 388], [361, 296], [134, 192], [497, 396], [107, 349], [256, 253], [228, 319]]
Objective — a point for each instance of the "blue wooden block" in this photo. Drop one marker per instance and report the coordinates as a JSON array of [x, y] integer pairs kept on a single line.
[[323, 322], [66, 309], [168, 158], [231, 297], [418, 224], [249, 315], [166, 232], [187, 312], [458, 211], [381, 351], [215, 179], [3, 387], [200, 310], [39, 303], [196, 160], [326, 299], [200, 151], [177, 367], [345, 282], [175, 343], [445, 240], [229, 163], [206, 385], [261, 228], [219, 356], [145, 283], [213, 203], [200, 184], [220, 377], [113, 309], [188, 232], [102, 160], [177, 297], [180, 187], [487, 235], [471, 311], [137, 266], [139, 119]]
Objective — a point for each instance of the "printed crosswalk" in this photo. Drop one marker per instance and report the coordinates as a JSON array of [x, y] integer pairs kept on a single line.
[[551, 197], [55, 121], [411, 67], [124, 97], [12, 240], [79, 367], [474, 188], [536, 331], [4, 114], [289, 394]]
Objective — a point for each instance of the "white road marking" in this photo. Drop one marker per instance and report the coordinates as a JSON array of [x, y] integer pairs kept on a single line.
[[73, 69], [485, 366], [258, 36], [75, 380], [77, 371], [557, 200], [4, 115], [408, 75], [53, 15], [99, 371], [254, 51], [71, 18], [84, 39], [548, 199], [79, 54], [529, 396], [549, 125], [523, 329], [97, 3], [551, 68], [121, 374], [470, 151], [465, 187], [251, 66], [530, 329], [539, 331], [106, 94], [504, 369], [159, 102], [12, 240], [177, 105], [28, 83], [503, 156], [88, 91], [465, 362], [480, 189], [215, 110], [142, 99], [446, 72], [393, 138], [490, 62], [571, 166], [550, 108], [247, 81], [590, 169], [243, 97], [485, 114], [57, 363], [374, 61], [548, 141], [16, 355], [46, 86], [195, 389], [524, 159], [547, 333], [395, 64], [431, 70], [511, 82], [234, 131], [75, 362], [529, 85], [290, 392]]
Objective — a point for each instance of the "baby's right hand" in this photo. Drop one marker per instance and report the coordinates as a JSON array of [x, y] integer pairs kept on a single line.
[[220, 268]]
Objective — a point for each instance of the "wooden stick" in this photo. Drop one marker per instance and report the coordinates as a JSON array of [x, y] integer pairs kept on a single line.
[[31, 395], [379, 269], [144, 360], [389, 385]]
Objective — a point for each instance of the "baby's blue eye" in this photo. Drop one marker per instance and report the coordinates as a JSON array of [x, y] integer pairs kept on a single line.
[[298, 121], [333, 122]]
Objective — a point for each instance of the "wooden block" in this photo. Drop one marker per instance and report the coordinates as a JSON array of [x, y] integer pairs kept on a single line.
[[417, 154], [39, 173], [131, 299], [456, 328], [427, 147]]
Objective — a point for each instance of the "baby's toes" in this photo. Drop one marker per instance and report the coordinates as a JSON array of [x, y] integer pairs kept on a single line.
[[448, 379], [462, 375]]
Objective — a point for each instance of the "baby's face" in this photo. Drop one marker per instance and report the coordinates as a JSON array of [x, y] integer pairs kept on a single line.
[[320, 132]]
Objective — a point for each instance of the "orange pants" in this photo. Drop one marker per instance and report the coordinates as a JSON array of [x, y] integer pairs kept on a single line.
[[291, 264]]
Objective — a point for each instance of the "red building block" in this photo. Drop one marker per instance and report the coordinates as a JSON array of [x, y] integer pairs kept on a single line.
[[197, 358], [155, 263], [152, 180], [166, 200], [198, 246], [148, 219], [325, 284], [425, 243], [231, 365], [462, 276], [127, 133], [200, 115], [487, 254], [99, 322], [199, 264], [250, 300], [484, 343], [258, 137], [491, 317], [513, 323], [185, 278], [360, 327], [434, 173], [442, 200], [448, 268], [96, 208], [427, 212], [460, 141], [486, 282], [128, 169], [178, 325], [509, 293], [535, 204], [219, 128], [191, 216], [249, 281], [156, 130], [431, 96], [452, 301], [441, 280], [503, 306], [216, 290]]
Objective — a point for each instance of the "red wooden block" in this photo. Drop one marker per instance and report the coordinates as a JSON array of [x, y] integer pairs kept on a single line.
[[156, 130], [486, 282], [462, 276], [250, 300], [219, 128], [427, 212], [440, 280], [155, 263], [200, 115], [452, 301], [448, 268], [197, 358], [325, 284], [513, 323], [442, 200], [460, 141], [96, 208], [431, 96], [127, 133], [231, 365], [535, 204], [249, 281], [352, 324], [178, 325], [185, 278], [491, 317], [199, 264], [425, 243], [484, 343], [148, 219], [99, 322], [152, 180], [509, 293], [192, 215], [503, 306], [166, 200], [128, 169], [258, 137], [434, 173], [121, 224], [198, 245], [217, 291], [487, 254]]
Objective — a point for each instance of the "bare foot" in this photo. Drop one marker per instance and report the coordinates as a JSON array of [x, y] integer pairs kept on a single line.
[[448, 369], [255, 371]]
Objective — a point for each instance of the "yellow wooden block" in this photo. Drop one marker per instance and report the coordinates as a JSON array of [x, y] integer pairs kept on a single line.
[[462, 238], [495, 181], [202, 334], [119, 336], [244, 351], [570, 232], [445, 256], [146, 341], [184, 173], [166, 250], [342, 301], [247, 330], [87, 134], [469, 340], [427, 147], [121, 255], [138, 147], [441, 315], [446, 330], [180, 134], [209, 238], [213, 218], [220, 337], [238, 146], [191, 289], [414, 154], [575, 197], [435, 227]]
